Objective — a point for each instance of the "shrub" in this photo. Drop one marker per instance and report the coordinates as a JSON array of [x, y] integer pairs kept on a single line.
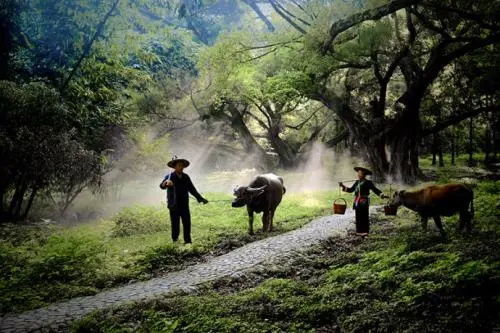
[[66, 259], [65, 266], [167, 256], [139, 220]]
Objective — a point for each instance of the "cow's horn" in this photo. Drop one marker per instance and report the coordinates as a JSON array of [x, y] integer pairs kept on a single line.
[[256, 189]]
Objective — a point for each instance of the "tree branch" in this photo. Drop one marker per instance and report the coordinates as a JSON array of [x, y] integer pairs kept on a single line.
[[291, 14], [88, 47], [458, 118], [262, 17], [338, 138], [370, 14], [305, 121], [286, 17]]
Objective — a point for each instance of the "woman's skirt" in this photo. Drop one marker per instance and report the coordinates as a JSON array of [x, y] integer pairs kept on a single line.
[[362, 219]]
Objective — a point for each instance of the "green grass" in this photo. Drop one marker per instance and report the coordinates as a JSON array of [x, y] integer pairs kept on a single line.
[[400, 279], [40, 265]]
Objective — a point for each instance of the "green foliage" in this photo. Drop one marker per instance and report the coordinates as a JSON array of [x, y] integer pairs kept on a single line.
[[67, 259], [40, 146], [61, 267], [168, 256], [139, 220]]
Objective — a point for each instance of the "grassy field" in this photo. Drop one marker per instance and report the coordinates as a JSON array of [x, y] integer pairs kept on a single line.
[[399, 279], [44, 263]]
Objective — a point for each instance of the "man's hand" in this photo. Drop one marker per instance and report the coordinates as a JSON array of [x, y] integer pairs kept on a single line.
[[342, 186], [204, 201], [166, 183]]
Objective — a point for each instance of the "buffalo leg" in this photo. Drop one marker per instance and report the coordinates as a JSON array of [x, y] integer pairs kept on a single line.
[[271, 218], [465, 221], [437, 220], [265, 221], [250, 222], [423, 221], [461, 221]]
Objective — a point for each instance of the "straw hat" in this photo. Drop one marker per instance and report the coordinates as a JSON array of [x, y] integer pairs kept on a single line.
[[175, 160], [365, 170]]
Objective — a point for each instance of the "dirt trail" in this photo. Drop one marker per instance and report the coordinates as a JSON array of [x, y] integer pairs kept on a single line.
[[250, 256]]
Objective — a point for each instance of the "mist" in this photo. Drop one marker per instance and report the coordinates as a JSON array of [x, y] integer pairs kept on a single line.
[[215, 167]]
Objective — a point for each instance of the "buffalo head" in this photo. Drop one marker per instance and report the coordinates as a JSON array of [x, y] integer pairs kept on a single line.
[[245, 194], [397, 199]]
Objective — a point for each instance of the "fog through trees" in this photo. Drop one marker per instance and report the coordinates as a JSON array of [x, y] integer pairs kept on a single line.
[[95, 94]]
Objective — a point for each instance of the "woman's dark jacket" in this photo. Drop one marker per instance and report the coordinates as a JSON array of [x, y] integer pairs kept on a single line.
[[364, 188], [361, 191]]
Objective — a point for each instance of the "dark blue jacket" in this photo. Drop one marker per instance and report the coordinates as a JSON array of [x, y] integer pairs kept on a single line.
[[178, 195]]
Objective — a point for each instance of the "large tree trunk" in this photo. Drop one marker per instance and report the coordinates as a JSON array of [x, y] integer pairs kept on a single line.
[[248, 141], [287, 157], [471, 161], [434, 150], [453, 149]]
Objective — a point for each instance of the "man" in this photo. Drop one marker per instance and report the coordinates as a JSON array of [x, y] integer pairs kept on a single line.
[[179, 185], [361, 205]]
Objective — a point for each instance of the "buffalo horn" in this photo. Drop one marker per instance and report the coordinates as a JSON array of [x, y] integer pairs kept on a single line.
[[256, 189]]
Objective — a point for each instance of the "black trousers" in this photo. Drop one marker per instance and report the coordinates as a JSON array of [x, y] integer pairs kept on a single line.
[[176, 215], [362, 219]]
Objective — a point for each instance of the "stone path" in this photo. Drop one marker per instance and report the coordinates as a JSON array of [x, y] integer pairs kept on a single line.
[[235, 263]]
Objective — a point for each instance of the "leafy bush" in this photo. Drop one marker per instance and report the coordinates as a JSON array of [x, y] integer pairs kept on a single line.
[[67, 259], [65, 266], [139, 220], [168, 256]]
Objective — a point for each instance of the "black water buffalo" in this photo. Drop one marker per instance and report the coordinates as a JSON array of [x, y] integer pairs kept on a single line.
[[439, 200], [262, 195]]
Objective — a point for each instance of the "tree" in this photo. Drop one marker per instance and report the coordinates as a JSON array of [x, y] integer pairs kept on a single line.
[[39, 149], [11, 37], [252, 91], [398, 57]]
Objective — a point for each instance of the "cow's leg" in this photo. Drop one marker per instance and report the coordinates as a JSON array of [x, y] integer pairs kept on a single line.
[[437, 220], [423, 221], [250, 221], [462, 221], [265, 221], [271, 218], [465, 221]]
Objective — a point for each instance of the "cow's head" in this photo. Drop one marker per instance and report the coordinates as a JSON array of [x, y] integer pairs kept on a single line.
[[245, 194], [397, 199]]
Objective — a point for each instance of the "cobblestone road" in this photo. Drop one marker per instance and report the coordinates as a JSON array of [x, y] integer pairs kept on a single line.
[[235, 263]]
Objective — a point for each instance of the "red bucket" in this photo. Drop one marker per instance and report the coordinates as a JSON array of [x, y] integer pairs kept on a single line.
[[339, 208]]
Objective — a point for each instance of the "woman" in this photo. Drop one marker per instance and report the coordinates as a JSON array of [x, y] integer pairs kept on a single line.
[[361, 189]]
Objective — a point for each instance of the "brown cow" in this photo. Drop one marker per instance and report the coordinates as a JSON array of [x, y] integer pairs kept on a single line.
[[439, 200]]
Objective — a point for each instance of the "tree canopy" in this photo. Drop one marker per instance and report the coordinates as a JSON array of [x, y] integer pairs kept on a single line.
[[393, 78]]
